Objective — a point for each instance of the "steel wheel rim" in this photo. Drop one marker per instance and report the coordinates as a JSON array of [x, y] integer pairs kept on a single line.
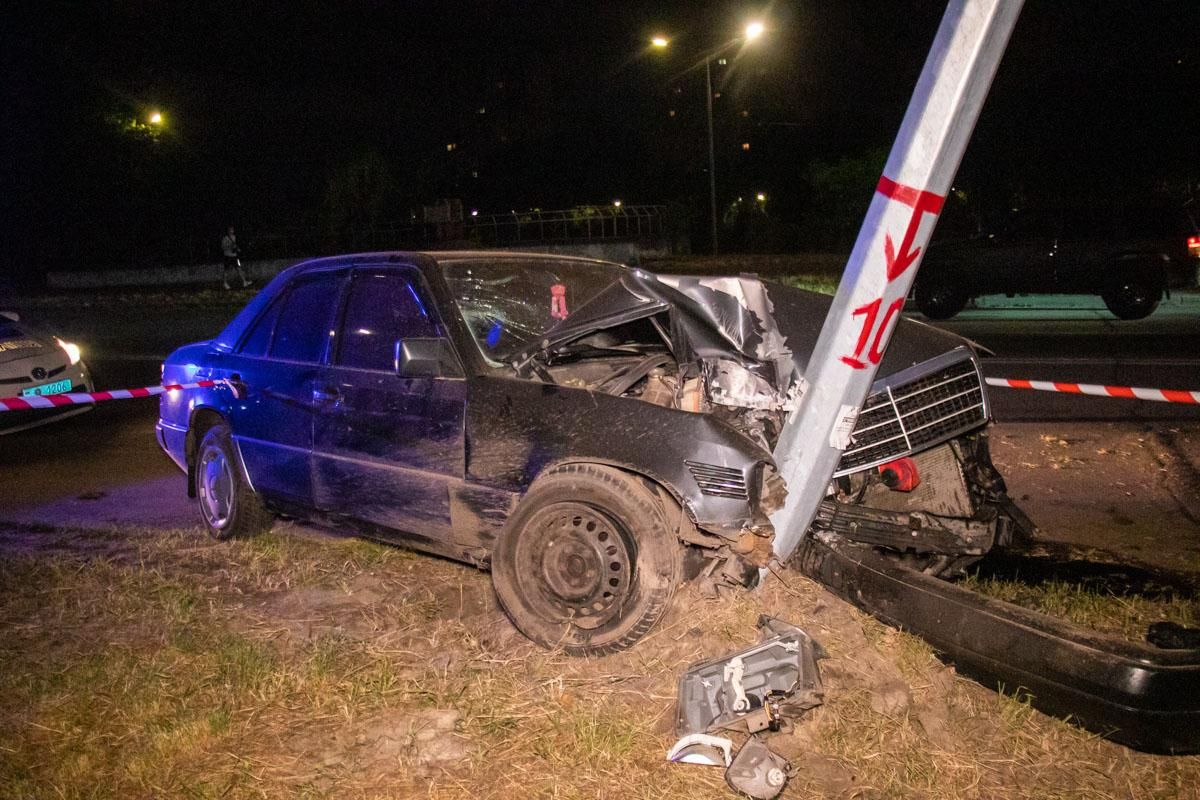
[[216, 488], [577, 564]]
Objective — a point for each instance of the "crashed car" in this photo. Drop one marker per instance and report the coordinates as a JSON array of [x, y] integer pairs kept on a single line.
[[34, 362], [593, 434]]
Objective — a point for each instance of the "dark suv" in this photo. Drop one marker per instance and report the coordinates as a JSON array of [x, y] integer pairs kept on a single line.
[[1131, 257]]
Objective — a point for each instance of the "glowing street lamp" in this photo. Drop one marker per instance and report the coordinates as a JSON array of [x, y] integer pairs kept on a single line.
[[156, 118], [761, 197], [616, 203], [754, 30]]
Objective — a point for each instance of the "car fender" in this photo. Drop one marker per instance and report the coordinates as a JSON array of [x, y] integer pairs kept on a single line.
[[526, 428]]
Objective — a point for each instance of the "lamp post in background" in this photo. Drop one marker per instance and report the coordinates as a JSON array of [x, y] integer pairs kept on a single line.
[[753, 31]]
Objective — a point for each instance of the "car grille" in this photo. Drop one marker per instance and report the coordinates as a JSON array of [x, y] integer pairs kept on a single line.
[[717, 481], [30, 379], [913, 416]]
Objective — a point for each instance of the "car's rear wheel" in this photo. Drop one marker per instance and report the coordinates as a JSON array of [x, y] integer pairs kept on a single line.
[[588, 561], [938, 298], [1133, 295], [228, 506]]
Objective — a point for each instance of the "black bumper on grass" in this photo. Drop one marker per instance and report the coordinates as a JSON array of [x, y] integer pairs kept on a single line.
[[1135, 694]]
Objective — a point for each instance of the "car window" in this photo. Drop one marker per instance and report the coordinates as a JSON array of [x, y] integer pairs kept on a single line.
[[256, 341], [509, 302], [306, 319], [381, 308]]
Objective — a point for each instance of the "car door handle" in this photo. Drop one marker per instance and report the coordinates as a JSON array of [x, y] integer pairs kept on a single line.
[[325, 395]]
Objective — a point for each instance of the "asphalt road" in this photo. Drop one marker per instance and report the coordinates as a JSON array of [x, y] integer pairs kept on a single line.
[[1075, 339]]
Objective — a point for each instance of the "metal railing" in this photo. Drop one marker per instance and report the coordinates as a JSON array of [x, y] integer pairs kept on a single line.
[[639, 223]]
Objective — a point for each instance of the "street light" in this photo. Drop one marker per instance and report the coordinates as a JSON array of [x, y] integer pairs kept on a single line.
[[753, 31], [156, 118]]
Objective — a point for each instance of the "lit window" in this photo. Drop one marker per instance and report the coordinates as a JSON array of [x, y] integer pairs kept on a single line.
[[722, 61], [451, 147], [745, 145], [671, 113]]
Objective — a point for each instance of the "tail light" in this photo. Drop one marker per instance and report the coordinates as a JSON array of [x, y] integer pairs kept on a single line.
[[1194, 246]]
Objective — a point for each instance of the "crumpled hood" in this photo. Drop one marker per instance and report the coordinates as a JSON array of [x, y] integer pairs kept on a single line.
[[800, 315], [764, 327]]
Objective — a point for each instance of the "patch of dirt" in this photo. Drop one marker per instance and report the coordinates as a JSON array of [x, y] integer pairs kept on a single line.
[[1129, 488]]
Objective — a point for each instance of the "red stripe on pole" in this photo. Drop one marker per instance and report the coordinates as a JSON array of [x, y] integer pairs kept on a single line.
[[1019, 383], [1120, 391], [1071, 388], [917, 198], [1176, 396]]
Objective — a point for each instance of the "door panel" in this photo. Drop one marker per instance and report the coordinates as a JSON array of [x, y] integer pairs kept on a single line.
[[386, 445], [273, 419]]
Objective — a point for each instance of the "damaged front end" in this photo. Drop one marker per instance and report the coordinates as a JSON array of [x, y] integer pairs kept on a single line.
[[915, 499], [714, 346]]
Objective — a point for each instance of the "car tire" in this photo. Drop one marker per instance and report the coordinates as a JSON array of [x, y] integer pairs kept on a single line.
[[589, 560], [1133, 295], [228, 506], [938, 298]]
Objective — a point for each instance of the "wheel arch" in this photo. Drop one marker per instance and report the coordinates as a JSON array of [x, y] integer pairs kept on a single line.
[[686, 529], [1158, 262]]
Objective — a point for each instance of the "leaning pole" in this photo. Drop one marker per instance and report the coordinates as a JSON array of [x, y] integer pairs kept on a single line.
[[925, 156]]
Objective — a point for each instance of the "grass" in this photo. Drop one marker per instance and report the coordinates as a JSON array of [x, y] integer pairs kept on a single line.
[[1125, 616], [822, 284], [293, 665]]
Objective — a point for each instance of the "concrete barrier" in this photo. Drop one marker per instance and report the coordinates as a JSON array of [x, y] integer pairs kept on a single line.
[[262, 271], [257, 271]]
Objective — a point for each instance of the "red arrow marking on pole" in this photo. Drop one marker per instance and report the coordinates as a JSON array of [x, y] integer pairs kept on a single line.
[[922, 203]]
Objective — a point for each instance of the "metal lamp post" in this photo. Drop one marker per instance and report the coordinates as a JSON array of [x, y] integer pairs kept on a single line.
[[753, 31]]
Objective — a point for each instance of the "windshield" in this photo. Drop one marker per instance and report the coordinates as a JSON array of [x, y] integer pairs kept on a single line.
[[509, 302]]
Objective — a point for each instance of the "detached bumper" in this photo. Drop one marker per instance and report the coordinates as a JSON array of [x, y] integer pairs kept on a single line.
[[1138, 695]]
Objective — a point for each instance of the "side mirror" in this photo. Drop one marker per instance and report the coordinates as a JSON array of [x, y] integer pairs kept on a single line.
[[11, 316], [426, 357]]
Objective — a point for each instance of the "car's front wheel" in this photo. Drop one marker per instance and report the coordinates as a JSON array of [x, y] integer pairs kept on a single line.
[[588, 561], [1133, 295], [228, 506]]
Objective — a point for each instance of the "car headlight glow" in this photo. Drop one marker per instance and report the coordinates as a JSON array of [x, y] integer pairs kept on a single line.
[[72, 350]]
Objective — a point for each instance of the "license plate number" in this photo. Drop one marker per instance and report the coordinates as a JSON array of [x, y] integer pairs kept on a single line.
[[58, 387]]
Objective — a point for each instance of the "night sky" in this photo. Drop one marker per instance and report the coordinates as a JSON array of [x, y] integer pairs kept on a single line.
[[310, 116]]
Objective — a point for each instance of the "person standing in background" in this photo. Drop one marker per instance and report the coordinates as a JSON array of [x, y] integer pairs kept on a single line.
[[230, 258]]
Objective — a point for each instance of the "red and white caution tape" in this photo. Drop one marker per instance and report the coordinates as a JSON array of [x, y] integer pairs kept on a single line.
[[1128, 392], [87, 398]]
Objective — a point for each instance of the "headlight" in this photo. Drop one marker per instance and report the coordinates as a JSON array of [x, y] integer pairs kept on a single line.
[[72, 350]]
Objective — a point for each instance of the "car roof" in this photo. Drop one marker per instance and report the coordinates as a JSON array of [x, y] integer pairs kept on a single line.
[[424, 260]]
